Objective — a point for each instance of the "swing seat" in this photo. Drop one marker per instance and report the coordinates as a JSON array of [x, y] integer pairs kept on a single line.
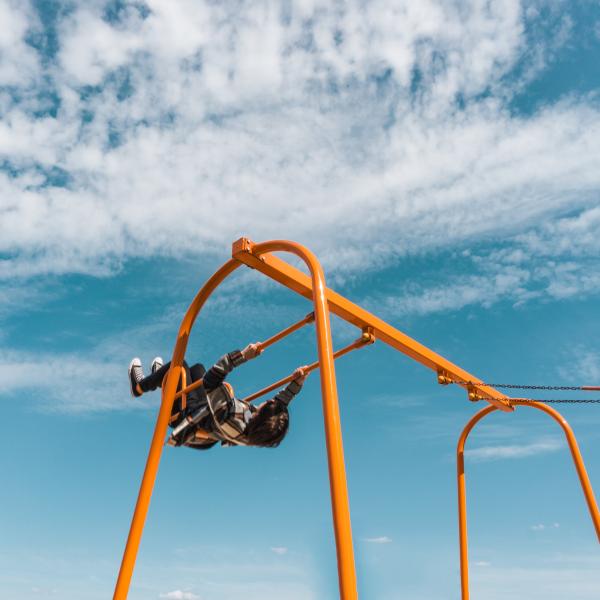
[[186, 428]]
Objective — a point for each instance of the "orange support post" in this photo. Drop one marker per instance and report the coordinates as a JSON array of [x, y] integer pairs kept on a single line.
[[462, 492], [333, 431]]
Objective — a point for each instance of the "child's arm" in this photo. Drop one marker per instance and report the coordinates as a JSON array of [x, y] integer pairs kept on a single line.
[[293, 387], [216, 375]]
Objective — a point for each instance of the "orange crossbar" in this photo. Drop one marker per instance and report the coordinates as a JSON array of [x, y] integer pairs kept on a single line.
[[248, 253], [309, 318], [586, 486], [365, 338], [189, 388]]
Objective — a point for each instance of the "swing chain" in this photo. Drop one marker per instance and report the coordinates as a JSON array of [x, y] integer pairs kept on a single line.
[[559, 400], [445, 380], [515, 386]]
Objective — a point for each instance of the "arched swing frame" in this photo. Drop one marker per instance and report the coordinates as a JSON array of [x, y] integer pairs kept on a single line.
[[333, 433], [313, 287], [578, 463]]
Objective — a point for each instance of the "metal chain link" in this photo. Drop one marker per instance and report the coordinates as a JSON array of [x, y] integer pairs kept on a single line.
[[515, 386], [559, 400]]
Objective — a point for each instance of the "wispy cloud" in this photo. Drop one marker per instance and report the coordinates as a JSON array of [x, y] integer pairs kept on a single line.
[[259, 573], [66, 382], [16, 298], [488, 453], [543, 527], [395, 400], [279, 550], [582, 365], [180, 595], [482, 563], [383, 539], [554, 261], [313, 120], [184, 577], [564, 577]]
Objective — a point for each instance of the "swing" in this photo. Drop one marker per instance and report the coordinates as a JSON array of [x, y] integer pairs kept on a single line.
[[185, 428]]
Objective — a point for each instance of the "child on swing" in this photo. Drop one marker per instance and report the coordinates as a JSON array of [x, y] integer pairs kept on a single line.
[[228, 419]]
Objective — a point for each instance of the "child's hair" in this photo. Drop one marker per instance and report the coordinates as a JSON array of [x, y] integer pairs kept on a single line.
[[268, 425]]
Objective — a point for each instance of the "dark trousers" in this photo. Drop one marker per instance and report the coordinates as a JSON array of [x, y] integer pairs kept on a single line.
[[193, 373]]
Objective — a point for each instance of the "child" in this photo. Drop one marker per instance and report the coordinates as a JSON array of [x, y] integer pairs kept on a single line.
[[218, 416]]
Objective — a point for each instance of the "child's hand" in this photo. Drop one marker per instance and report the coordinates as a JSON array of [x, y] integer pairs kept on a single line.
[[300, 374], [251, 351]]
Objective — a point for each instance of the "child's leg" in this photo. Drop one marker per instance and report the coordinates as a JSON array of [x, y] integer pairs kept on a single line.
[[154, 380]]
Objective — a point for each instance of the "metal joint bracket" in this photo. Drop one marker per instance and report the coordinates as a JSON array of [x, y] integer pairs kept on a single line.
[[242, 245], [368, 335], [443, 378], [473, 394]]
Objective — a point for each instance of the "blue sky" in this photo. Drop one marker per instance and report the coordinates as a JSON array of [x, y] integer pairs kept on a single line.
[[441, 158]]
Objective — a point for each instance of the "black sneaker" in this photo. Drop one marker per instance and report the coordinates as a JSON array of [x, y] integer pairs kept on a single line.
[[157, 364], [136, 374]]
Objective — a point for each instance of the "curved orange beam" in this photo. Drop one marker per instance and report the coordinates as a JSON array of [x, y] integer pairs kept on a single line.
[[160, 430], [462, 493], [462, 500]]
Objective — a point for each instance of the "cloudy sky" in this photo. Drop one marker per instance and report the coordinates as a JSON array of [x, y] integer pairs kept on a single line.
[[442, 158]]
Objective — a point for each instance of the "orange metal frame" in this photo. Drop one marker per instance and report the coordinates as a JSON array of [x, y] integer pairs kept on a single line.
[[462, 491], [259, 257]]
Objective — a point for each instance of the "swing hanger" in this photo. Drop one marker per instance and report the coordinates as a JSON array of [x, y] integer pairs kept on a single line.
[[444, 379]]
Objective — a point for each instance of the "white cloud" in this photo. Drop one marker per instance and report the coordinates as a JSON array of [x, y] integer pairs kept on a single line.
[[486, 453], [66, 382], [398, 400], [384, 539], [553, 261], [482, 563], [564, 577], [465, 291], [258, 575], [15, 297], [299, 121], [180, 595], [19, 64], [543, 527], [582, 365], [94, 379], [279, 550]]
